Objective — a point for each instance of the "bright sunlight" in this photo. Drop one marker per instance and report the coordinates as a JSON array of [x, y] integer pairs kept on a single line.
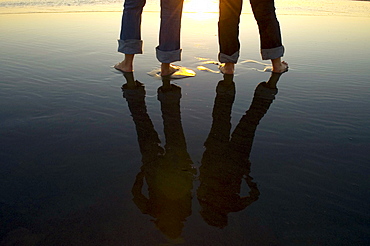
[[200, 9], [201, 6]]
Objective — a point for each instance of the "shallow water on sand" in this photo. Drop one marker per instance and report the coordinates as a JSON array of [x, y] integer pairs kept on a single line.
[[71, 161], [284, 7]]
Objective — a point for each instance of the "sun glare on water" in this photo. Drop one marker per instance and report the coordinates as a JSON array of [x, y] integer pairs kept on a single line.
[[200, 9]]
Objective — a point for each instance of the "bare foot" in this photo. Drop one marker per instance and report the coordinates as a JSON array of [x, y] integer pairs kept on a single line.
[[168, 69], [227, 68], [127, 64], [123, 67], [279, 66]]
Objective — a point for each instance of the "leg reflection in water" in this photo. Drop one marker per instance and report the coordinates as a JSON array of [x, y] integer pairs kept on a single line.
[[167, 171], [225, 162]]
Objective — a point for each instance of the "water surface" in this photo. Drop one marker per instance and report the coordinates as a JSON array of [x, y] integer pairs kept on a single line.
[[71, 151]]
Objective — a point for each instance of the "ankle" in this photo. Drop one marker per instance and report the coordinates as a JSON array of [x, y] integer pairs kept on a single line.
[[279, 66], [276, 62], [229, 68], [165, 69]]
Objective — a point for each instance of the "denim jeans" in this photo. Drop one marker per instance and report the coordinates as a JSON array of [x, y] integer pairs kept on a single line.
[[268, 26], [130, 41]]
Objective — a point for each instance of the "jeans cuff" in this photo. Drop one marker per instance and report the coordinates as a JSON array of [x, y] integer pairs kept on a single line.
[[268, 54], [223, 58], [130, 46], [168, 56]]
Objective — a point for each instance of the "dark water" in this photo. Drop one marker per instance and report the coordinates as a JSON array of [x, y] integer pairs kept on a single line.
[[83, 165]]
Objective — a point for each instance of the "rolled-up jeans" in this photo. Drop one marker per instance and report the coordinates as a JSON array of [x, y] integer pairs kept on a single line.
[[268, 26], [130, 41]]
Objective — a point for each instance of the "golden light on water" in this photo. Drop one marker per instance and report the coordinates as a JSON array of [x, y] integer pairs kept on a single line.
[[203, 6], [200, 9]]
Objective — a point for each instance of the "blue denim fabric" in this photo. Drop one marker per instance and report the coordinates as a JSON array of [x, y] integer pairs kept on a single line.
[[225, 58], [268, 26], [130, 41], [168, 49], [130, 38]]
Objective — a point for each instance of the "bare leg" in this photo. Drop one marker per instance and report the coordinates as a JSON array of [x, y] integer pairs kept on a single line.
[[167, 69], [227, 68], [279, 66], [127, 65]]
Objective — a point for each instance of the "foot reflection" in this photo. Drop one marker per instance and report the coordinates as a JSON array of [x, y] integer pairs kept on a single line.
[[225, 162], [167, 171]]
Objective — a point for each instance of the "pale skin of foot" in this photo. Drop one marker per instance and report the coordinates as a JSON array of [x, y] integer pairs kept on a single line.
[[229, 68], [166, 69], [127, 65], [278, 66]]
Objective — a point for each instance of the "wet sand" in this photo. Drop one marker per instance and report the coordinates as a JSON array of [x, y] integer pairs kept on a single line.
[[70, 150]]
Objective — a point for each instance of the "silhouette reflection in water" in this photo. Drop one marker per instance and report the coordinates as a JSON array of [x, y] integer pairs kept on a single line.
[[225, 162], [167, 171]]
